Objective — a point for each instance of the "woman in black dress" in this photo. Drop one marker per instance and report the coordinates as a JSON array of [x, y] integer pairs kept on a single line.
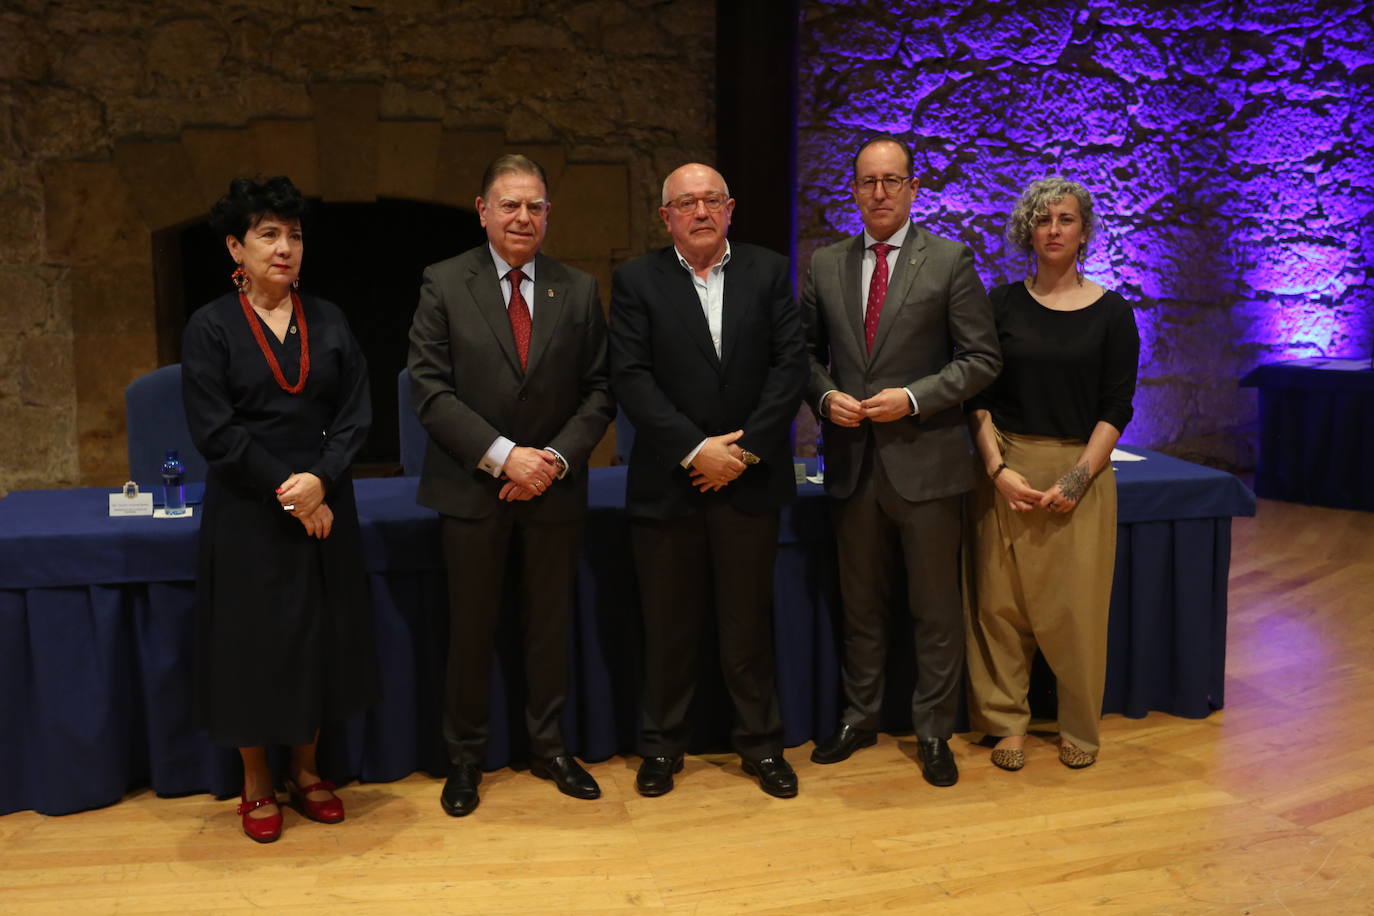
[[277, 401], [1043, 533]]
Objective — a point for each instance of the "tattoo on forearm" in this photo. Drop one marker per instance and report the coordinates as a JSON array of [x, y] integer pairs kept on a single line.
[[1075, 483]]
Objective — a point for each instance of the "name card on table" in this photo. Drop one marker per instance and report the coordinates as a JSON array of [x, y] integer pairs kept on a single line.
[[129, 501]]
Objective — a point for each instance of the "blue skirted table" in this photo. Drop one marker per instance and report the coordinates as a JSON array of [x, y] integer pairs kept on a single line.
[[1316, 438], [96, 621]]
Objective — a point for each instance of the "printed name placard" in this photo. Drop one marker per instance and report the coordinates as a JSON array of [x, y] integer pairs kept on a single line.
[[134, 504]]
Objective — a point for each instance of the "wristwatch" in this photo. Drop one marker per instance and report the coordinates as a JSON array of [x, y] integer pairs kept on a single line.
[[748, 457]]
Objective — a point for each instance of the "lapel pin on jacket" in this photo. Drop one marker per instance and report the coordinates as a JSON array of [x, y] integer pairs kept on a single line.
[[549, 292]]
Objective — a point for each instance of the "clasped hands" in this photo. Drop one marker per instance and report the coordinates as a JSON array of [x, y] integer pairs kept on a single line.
[[718, 462], [1022, 497], [303, 496], [528, 472], [884, 407]]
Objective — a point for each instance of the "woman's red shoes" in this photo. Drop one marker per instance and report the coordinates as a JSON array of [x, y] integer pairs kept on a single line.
[[268, 829], [327, 811], [260, 829]]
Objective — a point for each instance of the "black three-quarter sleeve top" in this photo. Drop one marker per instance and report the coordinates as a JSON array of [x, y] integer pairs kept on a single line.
[[1062, 372]]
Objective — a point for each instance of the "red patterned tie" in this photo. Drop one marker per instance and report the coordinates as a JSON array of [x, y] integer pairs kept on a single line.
[[877, 291], [519, 312]]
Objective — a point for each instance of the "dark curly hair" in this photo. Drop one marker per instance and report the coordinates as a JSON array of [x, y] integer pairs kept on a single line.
[[249, 200]]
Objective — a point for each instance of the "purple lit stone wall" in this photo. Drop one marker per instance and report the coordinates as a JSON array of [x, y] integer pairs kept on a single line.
[[1227, 145]]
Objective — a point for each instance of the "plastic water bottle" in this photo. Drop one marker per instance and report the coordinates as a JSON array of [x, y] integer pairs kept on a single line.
[[172, 473]]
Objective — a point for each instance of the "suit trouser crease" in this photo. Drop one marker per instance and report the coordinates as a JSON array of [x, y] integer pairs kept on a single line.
[[721, 558], [1040, 579], [876, 530], [538, 561]]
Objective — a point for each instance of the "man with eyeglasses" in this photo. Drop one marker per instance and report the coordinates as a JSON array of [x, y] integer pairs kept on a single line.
[[508, 377], [708, 362], [901, 332]]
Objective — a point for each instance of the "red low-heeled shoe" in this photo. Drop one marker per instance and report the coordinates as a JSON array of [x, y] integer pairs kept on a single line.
[[327, 811], [260, 829]]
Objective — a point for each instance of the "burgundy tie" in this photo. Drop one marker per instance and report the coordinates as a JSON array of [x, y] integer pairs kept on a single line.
[[519, 312], [877, 291]]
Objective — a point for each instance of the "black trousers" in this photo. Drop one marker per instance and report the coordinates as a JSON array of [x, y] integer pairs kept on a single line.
[[716, 560], [876, 529], [538, 561]]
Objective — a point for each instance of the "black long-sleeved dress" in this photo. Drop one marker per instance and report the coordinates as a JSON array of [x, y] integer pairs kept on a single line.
[[284, 636]]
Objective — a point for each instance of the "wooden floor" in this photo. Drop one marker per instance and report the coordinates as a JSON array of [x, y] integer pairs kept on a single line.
[[1266, 807]]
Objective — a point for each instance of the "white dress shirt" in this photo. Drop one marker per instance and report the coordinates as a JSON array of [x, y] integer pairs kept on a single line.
[[711, 294]]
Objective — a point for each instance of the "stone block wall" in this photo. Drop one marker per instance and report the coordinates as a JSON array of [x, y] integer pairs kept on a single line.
[[1228, 146], [119, 118]]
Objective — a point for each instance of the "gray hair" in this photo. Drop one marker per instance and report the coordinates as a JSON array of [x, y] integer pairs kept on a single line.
[[1035, 202], [724, 185]]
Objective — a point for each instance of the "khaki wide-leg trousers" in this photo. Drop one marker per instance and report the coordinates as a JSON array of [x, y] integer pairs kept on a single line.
[[1039, 578]]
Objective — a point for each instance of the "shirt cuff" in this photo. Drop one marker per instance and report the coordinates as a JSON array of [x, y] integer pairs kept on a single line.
[[563, 462], [494, 461], [691, 456], [912, 398], [821, 408]]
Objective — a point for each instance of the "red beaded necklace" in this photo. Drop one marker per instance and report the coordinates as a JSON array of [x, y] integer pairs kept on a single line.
[[261, 338]]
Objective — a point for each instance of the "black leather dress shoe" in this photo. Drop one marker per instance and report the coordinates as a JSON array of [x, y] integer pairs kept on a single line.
[[655, 776], [775, 776], [459, 797], [937, 762], [568, 775], [846, 740]]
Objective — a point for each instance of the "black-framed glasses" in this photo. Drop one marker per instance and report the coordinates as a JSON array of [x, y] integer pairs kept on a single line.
[[891, 184], [687, 203]]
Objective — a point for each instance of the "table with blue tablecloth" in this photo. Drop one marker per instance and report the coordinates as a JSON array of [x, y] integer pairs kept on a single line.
[[96, 623], [1316, 436]]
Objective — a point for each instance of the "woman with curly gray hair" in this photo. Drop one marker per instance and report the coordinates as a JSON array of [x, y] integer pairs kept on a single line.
[[1043, 540]]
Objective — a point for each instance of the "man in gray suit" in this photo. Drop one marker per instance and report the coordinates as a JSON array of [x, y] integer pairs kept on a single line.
[[508, 370], [901, 333]]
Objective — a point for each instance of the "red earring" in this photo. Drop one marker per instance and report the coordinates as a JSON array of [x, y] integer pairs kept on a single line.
[[239, 278]]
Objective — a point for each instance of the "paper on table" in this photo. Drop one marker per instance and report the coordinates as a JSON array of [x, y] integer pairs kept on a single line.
[[1119, 455]]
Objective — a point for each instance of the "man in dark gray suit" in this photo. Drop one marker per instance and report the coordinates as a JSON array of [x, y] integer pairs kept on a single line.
[[508, 370], [901, 333]]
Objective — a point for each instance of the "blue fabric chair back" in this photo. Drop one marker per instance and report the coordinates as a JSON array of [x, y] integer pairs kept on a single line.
[[156, 421], [414, 439]]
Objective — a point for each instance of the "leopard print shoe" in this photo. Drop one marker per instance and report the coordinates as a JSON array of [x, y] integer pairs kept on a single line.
[[1008, 758], [1074, 757]]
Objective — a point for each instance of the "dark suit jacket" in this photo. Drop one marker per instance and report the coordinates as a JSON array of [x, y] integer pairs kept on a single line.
[[468, 387], [676, 391], [935, 337]]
